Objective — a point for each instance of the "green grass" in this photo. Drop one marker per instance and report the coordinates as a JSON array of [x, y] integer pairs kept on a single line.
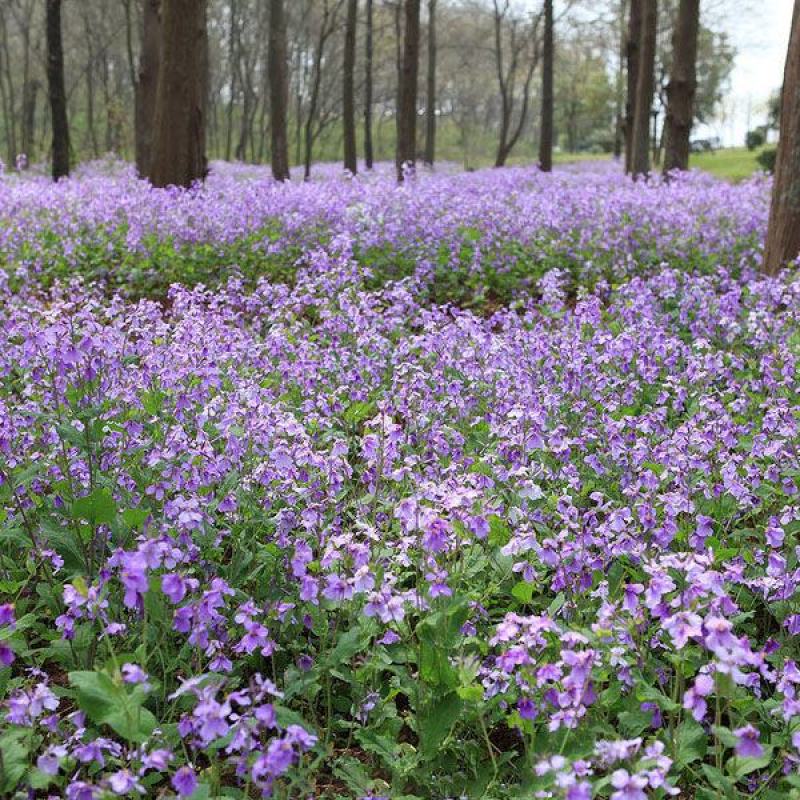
[[733, 163]]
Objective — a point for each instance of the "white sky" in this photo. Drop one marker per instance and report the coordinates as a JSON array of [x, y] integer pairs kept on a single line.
[[759, 30]]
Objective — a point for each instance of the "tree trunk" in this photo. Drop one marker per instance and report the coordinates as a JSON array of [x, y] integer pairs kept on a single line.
[[368, 153], [640, 155], [681, 87], [783, 234], [11, 124], [632, 58], [278, 90], [407, 107], [619, 91], [348, 88], [29, 93], [326, 29], [430, 95], [179, 146], [147, 84], [546, 135], [58, 95]]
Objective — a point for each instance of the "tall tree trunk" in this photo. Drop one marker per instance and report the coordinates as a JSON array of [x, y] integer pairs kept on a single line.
[[29, 95], [407, 107], [430, 94], [278, 90], [681, 87], [327, 25], [640, 156], [91, 63], [546, 135], [57, 93], [348, 88], [234, 90], [632, 46], [619, 91], [12, 103], [147, 85], [179, 145], [368, 152], [783, 234]]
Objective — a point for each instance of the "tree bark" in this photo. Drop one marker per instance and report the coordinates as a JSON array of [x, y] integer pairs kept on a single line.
[[327, 25], [147, 85], [523, 44], [632, 59], [640, 155], [619, 90], [348, 88], [29, 94], [278, 90], [546, 134], [8, 69], [681, 87], [783, 234], [368, 151], [179, 145], [407, 106], [57, 93], [430, 94]]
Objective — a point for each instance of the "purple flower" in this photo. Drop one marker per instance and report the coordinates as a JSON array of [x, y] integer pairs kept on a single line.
[[184, 781], [132, 673], [747, 744], [628, 787], [173, 587]]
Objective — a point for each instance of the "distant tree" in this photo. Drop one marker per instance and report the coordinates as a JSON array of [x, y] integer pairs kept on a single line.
[[640, 155], [57, 93], [584, 115], [682, 86], [348, 88], [179, 142], [147, 84], [632, 46], [407, 96], [783, 234], [368, 56], [755, 138], [546, 134], [327, 25], [619, 89], [278, 90], [430, 94], [516, 53]]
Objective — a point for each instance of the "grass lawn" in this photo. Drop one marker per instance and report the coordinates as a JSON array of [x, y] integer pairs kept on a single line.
[[733, 163]]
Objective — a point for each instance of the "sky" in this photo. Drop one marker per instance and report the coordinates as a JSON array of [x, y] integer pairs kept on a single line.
[[759, 29]]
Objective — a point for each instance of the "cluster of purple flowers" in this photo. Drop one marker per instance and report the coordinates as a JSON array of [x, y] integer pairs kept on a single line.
[[283, 523]]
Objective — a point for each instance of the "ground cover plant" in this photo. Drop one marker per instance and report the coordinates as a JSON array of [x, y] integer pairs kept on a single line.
[[481, 486]]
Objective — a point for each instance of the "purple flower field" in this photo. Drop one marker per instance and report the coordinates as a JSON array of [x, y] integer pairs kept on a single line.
[[483, 486]]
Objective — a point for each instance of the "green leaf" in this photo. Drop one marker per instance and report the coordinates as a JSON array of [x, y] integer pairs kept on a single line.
[[739, 767], [472, 694], [436, 721], [717, 779], [358, 412], [523, 591], [645, 692], [434, 666], [691, 742], [135, 517], [14, 747], [347, 645], [499, 532], [382, 746], [108, 703], [98, 507]]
